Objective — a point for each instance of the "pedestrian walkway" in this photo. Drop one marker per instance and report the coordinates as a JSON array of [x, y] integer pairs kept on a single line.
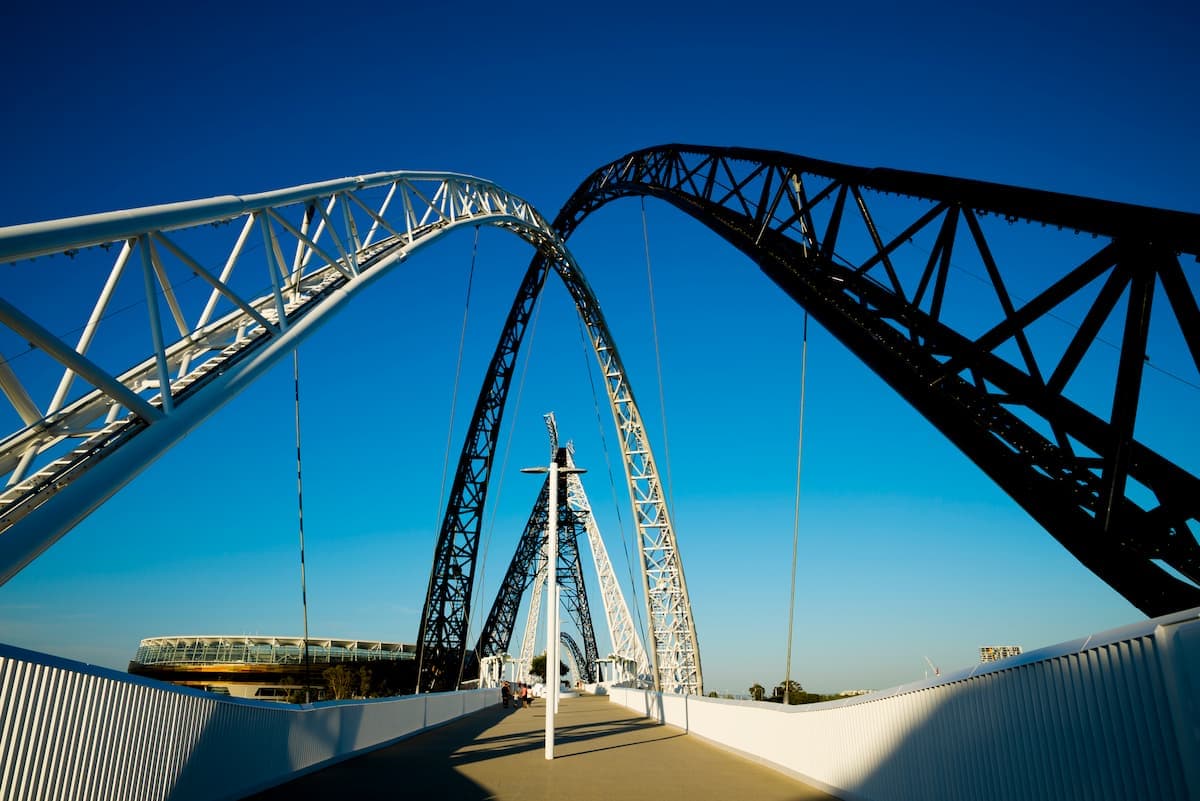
[[604, 753]]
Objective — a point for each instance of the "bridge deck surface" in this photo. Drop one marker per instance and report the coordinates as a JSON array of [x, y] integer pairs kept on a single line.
[[603, 752]]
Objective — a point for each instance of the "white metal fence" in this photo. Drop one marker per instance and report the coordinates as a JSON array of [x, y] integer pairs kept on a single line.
[[73, 731], [1112, 716]]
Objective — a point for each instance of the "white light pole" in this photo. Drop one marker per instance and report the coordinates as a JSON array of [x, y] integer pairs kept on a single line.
[[552, 595]]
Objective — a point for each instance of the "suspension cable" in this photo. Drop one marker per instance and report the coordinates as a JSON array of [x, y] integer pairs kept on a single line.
[[787, 676], [462, 338], [300, 514], [490, 528], [516, 412], [662, 401]]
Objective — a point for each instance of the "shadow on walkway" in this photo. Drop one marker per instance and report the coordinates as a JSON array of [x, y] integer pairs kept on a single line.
[[602, 752]]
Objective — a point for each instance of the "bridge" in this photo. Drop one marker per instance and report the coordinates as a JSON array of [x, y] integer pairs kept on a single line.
[[983, 375]]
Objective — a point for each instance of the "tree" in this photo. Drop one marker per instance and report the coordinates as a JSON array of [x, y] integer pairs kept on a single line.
[[757, 691], [795, 693], [537, 667], [343, 682]]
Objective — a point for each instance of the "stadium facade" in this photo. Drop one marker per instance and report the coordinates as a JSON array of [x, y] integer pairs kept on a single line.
[[994, 653], [269, 668]]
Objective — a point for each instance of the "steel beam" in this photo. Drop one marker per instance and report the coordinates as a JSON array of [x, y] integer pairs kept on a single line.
[[1073, 479]]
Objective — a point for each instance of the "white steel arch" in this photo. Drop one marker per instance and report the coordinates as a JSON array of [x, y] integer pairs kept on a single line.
[[621, 631], [106, 421], [529, 638], [318, 245]]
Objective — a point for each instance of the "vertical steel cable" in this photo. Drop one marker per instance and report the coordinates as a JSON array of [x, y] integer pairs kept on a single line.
[[662, 401], [462, 338], [787, 676], [300, 513], [530, 335]]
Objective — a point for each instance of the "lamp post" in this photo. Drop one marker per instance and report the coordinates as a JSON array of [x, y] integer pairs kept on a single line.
[[552, 627]]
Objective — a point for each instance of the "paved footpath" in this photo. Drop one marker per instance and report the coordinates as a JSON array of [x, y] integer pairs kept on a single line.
[[603, 753]]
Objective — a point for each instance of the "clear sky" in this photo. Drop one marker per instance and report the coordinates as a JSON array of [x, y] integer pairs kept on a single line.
[[908, 550]]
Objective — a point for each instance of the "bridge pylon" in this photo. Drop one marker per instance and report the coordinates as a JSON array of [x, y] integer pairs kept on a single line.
[[527, 569]]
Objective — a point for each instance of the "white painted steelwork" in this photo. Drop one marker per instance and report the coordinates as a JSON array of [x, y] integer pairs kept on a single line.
[[553, 626], [1112, 716], [265, 649], [74, 731], [208, 343], [108, 418], [675, 647], [622, 634], [491, 670], [531, 619]]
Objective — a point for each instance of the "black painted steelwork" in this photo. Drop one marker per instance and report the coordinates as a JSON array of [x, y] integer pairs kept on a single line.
[[442, 652], [571, 526], [444, 620], [496, 635], [580, 659], [787, 212]]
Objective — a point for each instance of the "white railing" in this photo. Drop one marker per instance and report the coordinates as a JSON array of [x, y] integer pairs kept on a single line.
[[1112, 716], [74, 731]]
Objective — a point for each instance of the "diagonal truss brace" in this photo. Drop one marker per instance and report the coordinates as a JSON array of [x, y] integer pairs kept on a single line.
[[529, 557], [623, 635], [1072, 469], [101, 426], [529, 637], [442, 642]]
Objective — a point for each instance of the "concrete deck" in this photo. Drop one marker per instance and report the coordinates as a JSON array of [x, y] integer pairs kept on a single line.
[[603, 753]]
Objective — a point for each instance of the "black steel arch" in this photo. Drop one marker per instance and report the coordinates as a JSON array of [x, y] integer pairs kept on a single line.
[[786, 212], [572, 525], [496, 635], [441, 642], [580, 659]]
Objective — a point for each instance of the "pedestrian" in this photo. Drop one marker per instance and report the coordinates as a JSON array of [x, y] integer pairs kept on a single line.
[[525, 699], [505, 694]]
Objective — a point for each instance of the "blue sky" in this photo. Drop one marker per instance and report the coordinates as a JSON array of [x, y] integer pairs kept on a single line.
[[908, 550]]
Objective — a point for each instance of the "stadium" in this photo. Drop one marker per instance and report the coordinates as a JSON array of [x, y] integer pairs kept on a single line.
[[270, 668]]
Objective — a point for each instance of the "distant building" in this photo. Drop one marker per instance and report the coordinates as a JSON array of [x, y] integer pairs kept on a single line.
[[994, 653], [270, 668]]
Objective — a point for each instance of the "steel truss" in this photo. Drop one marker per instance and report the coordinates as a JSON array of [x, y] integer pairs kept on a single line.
[[528, 561], [529, 639], [577, 657], [224, 287], [621, 631], [572, 590], [992, 394], [528, 568], [672, 628]]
